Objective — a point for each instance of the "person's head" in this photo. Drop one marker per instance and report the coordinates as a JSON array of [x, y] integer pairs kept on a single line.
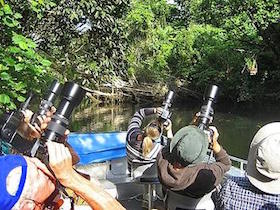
[[25, 183], [151, 132], [263, 169], [189, 146]]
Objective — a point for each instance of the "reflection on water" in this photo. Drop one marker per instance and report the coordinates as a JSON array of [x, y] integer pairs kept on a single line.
[[235, 131]]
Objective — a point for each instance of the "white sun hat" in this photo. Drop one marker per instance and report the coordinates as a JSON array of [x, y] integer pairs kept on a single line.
[[263, 169]]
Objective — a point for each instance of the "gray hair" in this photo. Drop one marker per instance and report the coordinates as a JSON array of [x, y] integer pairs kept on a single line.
[[12, 184]]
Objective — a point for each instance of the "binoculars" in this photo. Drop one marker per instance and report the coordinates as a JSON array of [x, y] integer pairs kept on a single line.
[[71, 96]]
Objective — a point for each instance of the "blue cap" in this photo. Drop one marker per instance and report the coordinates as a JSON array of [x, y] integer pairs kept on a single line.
[[7, 164]]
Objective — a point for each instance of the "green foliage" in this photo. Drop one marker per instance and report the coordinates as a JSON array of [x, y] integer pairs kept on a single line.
[[84, 39], [230, 43], [252, 27], [150, 41], [21, 67]]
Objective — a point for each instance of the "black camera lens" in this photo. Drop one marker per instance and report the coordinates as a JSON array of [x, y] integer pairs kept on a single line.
[[72, 95], [53, 91], [211, 93], [48, 100], [207, 111]]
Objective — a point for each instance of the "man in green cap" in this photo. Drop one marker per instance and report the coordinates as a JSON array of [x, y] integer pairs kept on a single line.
[[183, 167]]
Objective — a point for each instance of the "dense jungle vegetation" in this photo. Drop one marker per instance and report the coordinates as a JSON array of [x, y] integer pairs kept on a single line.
[[182, 44]]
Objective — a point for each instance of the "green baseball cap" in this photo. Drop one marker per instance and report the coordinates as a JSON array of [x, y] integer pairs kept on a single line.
[[189, 145]]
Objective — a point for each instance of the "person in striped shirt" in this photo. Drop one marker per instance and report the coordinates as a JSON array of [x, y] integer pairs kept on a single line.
[[145, 144]]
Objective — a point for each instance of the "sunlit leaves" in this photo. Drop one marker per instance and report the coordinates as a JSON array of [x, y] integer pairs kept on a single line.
[[5, 76], [7, 9], [21, 67], [4, 99]]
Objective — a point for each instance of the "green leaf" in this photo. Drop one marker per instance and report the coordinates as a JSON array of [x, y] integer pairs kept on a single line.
[[4, 99], [19, 66], [7, 9], [52, 4], [33, 3], [21, 98], [23, 45], [17, 38], [5, 76], [13, 49], [12, 106], [10, 22], [9, 60], [46, 62], [17, 16], [19, 86], [2, 67], [30, 43]]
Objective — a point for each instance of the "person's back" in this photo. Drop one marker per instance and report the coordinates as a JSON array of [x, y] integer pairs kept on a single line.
[[239, 193], [260, 188], [182, 167]]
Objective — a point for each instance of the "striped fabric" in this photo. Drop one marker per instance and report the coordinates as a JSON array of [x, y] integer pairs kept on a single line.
[[133, 146], [239, 193]]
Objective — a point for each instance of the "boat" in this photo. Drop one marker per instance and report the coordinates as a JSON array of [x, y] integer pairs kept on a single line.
[[103, 156]]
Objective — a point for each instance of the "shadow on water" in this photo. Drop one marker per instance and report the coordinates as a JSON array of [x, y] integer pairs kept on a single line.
[[236, 129]]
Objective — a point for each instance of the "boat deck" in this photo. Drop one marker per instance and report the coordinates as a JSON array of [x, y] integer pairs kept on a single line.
[[129, 192]]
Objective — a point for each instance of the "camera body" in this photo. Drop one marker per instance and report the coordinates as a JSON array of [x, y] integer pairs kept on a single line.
[[11, 122], [72, 95]]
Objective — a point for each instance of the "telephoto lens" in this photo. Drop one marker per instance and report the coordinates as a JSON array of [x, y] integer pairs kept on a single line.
[[72, 95], [207, 111], [165, 115], [48, 100]]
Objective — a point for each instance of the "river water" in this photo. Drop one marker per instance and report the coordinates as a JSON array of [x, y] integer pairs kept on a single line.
[[236, 129]]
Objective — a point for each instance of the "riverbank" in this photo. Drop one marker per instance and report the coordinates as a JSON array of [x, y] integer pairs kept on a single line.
[[120, 91]]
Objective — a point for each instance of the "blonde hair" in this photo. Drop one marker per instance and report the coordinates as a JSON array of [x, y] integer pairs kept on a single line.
[[151, 133]]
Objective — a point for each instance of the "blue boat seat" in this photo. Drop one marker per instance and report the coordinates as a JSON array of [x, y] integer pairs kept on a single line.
[[98, 147]]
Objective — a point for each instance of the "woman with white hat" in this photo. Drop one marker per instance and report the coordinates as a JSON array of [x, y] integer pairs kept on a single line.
[[260, 188]]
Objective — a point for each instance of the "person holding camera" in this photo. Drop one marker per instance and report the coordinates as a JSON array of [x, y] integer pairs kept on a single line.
[[27, 183], [145, 144], [183, 164]]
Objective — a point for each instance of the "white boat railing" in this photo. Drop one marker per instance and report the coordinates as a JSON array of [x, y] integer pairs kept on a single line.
[[240, 161]]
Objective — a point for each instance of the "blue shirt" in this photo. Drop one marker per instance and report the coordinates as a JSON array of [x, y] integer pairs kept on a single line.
[[239, 193]]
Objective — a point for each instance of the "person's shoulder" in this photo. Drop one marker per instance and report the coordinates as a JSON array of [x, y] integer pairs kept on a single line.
[[234, 183]]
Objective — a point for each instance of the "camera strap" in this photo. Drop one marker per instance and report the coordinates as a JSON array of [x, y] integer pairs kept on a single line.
[[62, 189], [56, 199]]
